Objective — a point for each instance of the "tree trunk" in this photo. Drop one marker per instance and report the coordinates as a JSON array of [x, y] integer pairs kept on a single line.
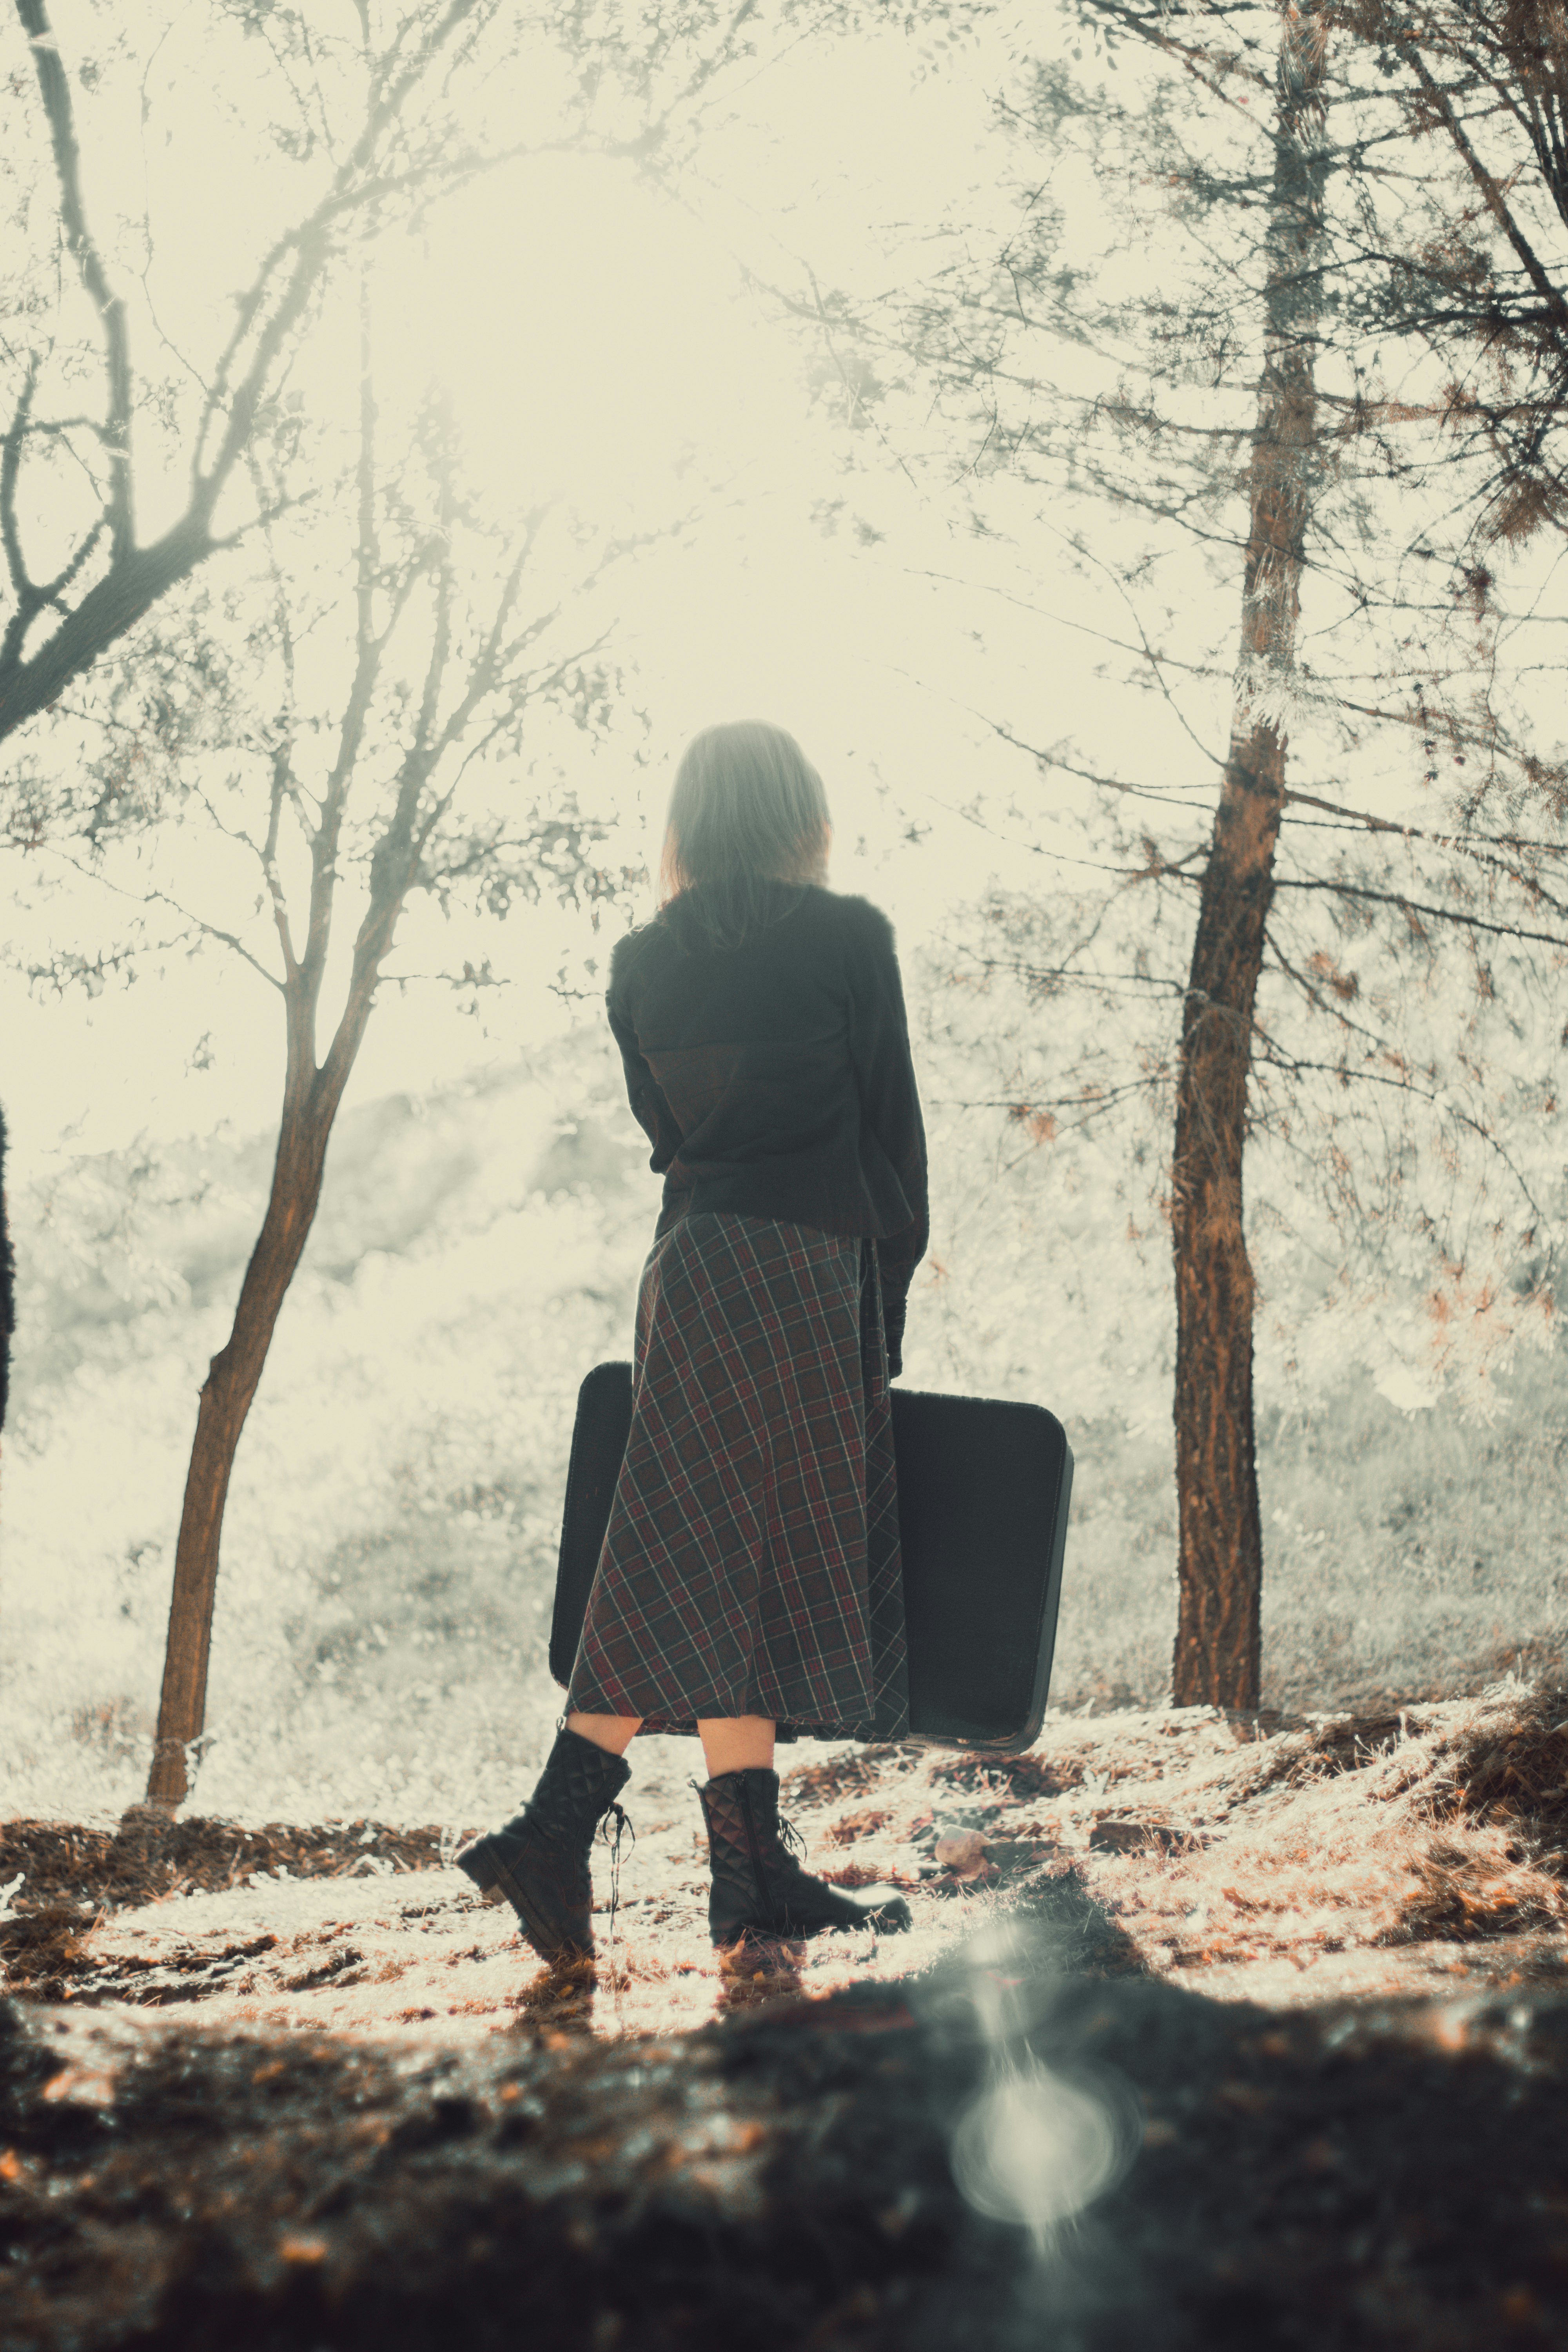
[[226, 1398], [1220, 1537]]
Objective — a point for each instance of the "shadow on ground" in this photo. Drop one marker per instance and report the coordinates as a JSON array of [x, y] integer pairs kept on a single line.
[[1206, 2034], [1390, 2174]]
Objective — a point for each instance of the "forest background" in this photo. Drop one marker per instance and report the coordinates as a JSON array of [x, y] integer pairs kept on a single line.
[[723, 366]]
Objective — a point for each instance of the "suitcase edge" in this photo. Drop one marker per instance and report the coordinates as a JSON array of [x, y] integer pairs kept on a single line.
[[1019, 1743], [605, 1375]]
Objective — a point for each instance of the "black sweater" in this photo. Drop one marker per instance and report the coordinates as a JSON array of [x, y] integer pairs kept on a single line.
[[774, 1080]]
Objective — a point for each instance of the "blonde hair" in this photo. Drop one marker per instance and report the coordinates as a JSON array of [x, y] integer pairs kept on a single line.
[[748, 811]]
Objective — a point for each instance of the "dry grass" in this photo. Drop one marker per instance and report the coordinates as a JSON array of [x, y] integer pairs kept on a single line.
[[1288, 1860], [1442, 1823]]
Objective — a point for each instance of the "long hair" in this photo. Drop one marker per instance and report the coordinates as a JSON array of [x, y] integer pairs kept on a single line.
[[748, 813]]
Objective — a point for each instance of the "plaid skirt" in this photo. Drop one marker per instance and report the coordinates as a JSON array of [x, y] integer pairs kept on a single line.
[[751, 1565]]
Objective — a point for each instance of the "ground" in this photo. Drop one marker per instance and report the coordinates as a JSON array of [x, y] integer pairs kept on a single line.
[[1209, 2030]]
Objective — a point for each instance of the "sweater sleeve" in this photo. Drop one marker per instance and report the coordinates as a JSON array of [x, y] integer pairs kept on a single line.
[[884, 1072], [644, 1092]]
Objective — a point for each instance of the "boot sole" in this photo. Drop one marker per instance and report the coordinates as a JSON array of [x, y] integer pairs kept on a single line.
[[892, 1919], [497, 1884]]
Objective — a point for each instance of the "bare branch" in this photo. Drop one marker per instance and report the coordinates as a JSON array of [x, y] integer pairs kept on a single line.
[[283, 787], [1413, 832], [55, 93], [1080, 977], [368, 649], [1061, 621], [310, 251], [1490, 189], [10, 465], [144, 896], [269, 315], [1090, 1102], [1349, 1075], [1410, 907]]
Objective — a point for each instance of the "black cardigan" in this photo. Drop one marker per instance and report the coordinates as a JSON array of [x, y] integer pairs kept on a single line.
[[774, 1079]]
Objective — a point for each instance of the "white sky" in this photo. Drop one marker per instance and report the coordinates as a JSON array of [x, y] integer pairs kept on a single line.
[[599, 346], [597, 343]]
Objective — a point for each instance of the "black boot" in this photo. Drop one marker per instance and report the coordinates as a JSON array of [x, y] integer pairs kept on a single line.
[[538, 1862], [761, 1888]]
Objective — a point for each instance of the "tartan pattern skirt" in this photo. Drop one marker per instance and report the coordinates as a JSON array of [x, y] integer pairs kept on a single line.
[[751, 1565]]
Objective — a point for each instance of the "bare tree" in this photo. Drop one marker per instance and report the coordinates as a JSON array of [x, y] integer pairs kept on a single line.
[[966, 333], [452, 663], [379, 127], [62, 618], [459, 642]]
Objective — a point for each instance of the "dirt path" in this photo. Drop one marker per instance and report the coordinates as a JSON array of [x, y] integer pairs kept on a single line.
[[1200, 2037]]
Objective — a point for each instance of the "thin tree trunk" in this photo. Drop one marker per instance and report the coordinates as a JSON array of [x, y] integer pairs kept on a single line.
[[226, 1396], [311, 1100], [1220, 1537]]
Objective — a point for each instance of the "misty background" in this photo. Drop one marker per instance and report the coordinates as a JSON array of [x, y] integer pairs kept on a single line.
[[811, 551]]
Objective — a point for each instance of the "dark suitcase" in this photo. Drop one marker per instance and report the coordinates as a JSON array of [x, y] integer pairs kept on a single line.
[[984, 1490]]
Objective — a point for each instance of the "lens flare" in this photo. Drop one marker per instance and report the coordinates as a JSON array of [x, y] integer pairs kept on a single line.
[[1037, 2146]]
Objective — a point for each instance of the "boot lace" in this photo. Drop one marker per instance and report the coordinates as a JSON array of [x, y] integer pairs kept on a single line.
[[618, 1815]]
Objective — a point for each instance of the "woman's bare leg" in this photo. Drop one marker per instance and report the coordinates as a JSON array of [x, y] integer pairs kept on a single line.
[[736, 1743], [615, 1732]]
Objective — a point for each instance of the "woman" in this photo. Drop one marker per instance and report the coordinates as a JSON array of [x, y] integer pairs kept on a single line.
[[749, 1589]]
